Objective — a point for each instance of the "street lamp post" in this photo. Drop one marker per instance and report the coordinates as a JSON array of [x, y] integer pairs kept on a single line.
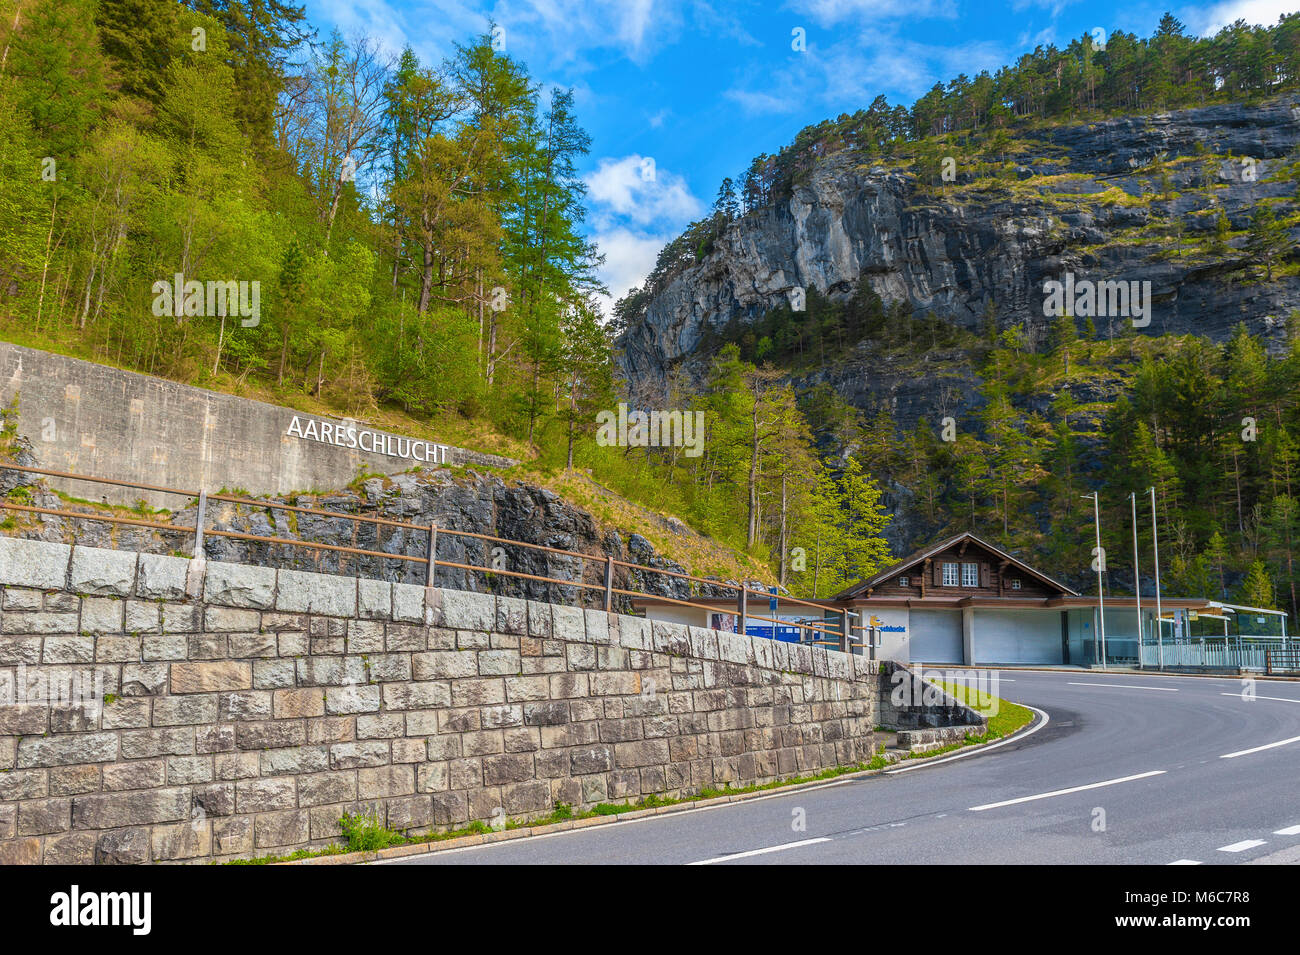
[[1099, 559], [1155, 541], [1137, 576]]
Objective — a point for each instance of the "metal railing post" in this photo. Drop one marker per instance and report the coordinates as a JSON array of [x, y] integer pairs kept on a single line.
[[846, 639], [609, 583], [431, 559], [198, 525], [742, 610]]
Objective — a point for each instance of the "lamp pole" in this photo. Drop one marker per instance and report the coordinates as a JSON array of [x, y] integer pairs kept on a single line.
[[1137, 576], [1099, 559], [1155, 541]]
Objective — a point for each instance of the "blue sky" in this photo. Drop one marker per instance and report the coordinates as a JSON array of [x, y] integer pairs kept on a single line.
[[699, 88]]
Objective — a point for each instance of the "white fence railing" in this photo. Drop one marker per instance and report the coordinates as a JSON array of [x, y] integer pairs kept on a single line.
[[1243, 652]]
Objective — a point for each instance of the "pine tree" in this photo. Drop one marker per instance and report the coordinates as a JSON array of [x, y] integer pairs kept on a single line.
[[139, 37], [263, 36], [1257, 588], [1064, 336], [865, 551], [589, 366], [1269, 238], [60, 71]]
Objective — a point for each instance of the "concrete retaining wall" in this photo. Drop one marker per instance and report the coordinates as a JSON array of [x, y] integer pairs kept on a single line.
[[245, 709], [101, 421]]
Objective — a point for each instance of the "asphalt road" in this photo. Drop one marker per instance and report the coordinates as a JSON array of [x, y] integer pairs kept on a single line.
[[1163, 770]]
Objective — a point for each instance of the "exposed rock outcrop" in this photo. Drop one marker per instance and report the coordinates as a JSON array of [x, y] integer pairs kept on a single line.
[[953, 252]]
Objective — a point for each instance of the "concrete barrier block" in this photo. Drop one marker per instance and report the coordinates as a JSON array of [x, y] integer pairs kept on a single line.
[[374, 599], [466, 610], [29, 563], [301, 592], [408, 603], [512, 615], [159, 577], [568, 623], [597, 626], [238, 585], [97, 570]]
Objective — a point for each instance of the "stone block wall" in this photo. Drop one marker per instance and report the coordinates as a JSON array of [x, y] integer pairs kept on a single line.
[[910, 700], [158, 709]]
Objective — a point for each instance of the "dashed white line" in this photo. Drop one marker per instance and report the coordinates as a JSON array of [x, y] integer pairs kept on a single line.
[[1064, 792], [759, 852], [1185, 862], [1243, 845], [1260, 749], [1288, 831], [1131, 686]]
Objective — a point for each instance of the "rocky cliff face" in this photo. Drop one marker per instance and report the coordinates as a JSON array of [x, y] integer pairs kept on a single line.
[[1088, 200]]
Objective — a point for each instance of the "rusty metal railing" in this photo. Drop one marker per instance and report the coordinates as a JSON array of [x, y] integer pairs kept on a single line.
[[841, 637], [1281, 661]]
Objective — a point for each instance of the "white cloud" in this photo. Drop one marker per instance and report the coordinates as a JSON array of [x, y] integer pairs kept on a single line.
[[629, 257], [637, 207], [546, 34], [764, 102], [850, 73], [429, 29], [635, 190], [563, 30], [1211, 19]]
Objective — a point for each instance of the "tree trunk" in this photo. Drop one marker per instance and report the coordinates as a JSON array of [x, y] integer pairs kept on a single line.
[[751, 534], [784, 502]]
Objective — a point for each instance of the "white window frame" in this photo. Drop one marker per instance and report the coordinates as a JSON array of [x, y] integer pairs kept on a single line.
[[953, 579], [1015, 583], [970, 574], [904, 581]]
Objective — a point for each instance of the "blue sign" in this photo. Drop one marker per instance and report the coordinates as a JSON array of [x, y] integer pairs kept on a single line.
[[784, 633]]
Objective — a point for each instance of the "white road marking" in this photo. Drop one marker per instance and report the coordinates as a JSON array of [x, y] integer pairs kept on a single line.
[[1258, 749], [760, 852], [1243, 845], [1064, 792], [976, 750], [968, 679], [1130, 686], [1280, 699], [1185, 862], [1288, 831]]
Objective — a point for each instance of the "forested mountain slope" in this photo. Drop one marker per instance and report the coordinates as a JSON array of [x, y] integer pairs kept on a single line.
[[893, 267]]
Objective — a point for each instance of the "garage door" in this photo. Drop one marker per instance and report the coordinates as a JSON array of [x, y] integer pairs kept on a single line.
[[936, 636], [1017, 636]]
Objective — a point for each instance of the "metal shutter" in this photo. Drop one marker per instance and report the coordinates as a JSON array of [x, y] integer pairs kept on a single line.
[[1017, 636], [935, 636]]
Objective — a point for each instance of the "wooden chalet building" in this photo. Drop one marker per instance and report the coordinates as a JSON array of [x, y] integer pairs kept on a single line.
[[962, 601]]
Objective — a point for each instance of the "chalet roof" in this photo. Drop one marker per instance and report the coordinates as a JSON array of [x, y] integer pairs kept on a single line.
[[907, 563]]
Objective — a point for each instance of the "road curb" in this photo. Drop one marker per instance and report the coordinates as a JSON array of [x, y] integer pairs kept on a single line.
[[694, 805]]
